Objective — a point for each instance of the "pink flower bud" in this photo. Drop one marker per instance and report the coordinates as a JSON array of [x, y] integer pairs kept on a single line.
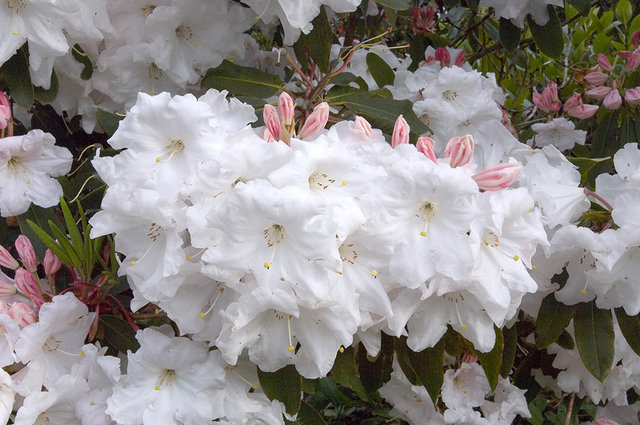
[[401, 131], [7, 289], [459, 150], [468, 358], [5, 111], [612, 100], [7, 259], [51, 263], [286, 108], [364, 127], [266, 136], [443, 56], [548, 101], [271, 120], [574, 107], [27, 283], [424, 19], [598, 92], [596, 78], [460, 59], [22, 313], [26, 253], [4, 308], [425, 146], [604, 63], [635, 39], [632, 96], [604, 421], [315, 122], [633, 62], [498, 177]]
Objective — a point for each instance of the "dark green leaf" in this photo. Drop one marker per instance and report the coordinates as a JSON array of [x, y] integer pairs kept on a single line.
[[240, 80], [624, 10], [492, 361], [76, 238], [583, 6], [594, 338], [374, 373], [16, 75], [627, 130], [380, 70], [586, 164], [428, 367], [509, 352], [39, 216], [118, 334], [509, 34], [630, 327], [108, 121], [401, 350], [343, 79], [284, 385], [79, 55], [553, 317], [566, 341], [318, 42], [345, 373], [307, 415], [48, 95], [548, 37], [395, 4], [63, 241]]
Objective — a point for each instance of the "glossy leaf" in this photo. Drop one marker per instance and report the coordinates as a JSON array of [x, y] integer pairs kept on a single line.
[[284, 385], [548, 37], [317, 44], [380, 70], [79, 55], [395, 4], [241, 80], [50, 94], [594, 338], [118, 334], [16, 74], [630, 327], [553, 318], [307, 415], [427, 365], [345, 372], [375, 372], [509, 351], [492, 361], [108, 121], [509, 34]]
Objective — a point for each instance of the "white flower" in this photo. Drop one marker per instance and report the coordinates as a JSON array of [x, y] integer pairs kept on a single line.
[[27, 165], [7, 395], [462, 390], [560, 133], [56, 406], [517, 10]]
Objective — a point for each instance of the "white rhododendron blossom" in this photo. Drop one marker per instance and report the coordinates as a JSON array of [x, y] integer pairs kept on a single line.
[[517, 10]]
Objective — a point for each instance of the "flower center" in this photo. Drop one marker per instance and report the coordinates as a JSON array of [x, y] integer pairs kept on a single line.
[[349, 254], [166, 378], [15, 166], [184, 32], [492, 240], [321, 181], [16, 5], [51, 344], [174, 147], [146, 11], [426, 212], [273, 235]]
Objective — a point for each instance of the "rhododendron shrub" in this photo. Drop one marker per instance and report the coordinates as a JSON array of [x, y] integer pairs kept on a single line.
[[249, 212]]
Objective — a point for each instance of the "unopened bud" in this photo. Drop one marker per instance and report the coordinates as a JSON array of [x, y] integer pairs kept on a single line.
[[574, 107], [459, 150], [22, 313], [596, 78], [632, 96], [425, 146], [364, 127], [598, 92], [7, 289], [443, 56], [51, 263], [271, 120], [498, 177], [7, 259], [460, 59], [27, 283], [633, 62], [266, 136], [635, 39], [5, 111], [604, 63], [315, 122], [612, 100], [285, 105], [27, 253], [401, 131], [604, 421]]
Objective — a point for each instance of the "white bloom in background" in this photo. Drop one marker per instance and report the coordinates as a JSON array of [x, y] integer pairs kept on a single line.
[[559, 132], [508, 402], [28, 164], [7, 396], [462, 390], [517, 10], [8, 335], [622, 190]]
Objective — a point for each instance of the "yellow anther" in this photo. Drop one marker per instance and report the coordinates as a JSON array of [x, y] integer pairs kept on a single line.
[[195, 44], [464, 327], [91, 404], [516, 258], [341, 349], [157, 387], [158, 159], [201, 315], [255, 386], [153, 92], [291, 348], [423, 233], [344, 182], [583, 291], [132, 263], [15, 32], [82, 353], [267, 265], [28, 181], [374, 273], [533, 267], [188, 257]]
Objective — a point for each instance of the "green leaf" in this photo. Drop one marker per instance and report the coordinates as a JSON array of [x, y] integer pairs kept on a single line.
[[548, 37], [108, 121], [49, 242], [343, 79], [318, 42], [382, 113], [627, 130], [241, 80], [601, 43], [624, 11], [604, 137], [583, 6], [401, 350], [16, 75], [307, 415], [78, 54], [635, 24], [380, 70], [492, 361], [48, 95], [586, 164], [63, 242], [509, 34], [118, 334], [566, 341], [39, 216], [345, 373], [428, 367], [374, 373], [76, 238], [594, 338], [553, 317], [630, 327], [284, 385], [395, 4], [509, 351]]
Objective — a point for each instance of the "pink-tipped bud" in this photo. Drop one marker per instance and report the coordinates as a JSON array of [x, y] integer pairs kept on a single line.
[[596, 78], [4, 307], [315, 122], [460, 59], [443, 56], [498, 177], [632, 96], [633, 62], [27, 253], [266, 136], [604, 421], [613, 100], [459, 150], [574, 107], [27, 283], [7, 289], [548, 101], [5, 111], [363, 127], [598, 92], [425, 146], [625, 53], [51, 263], [604, 63], [272, 120], [7, 259], [468, 358], [401, 131], [286, 108], [635, 39], [22, 313], [425, 19]]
